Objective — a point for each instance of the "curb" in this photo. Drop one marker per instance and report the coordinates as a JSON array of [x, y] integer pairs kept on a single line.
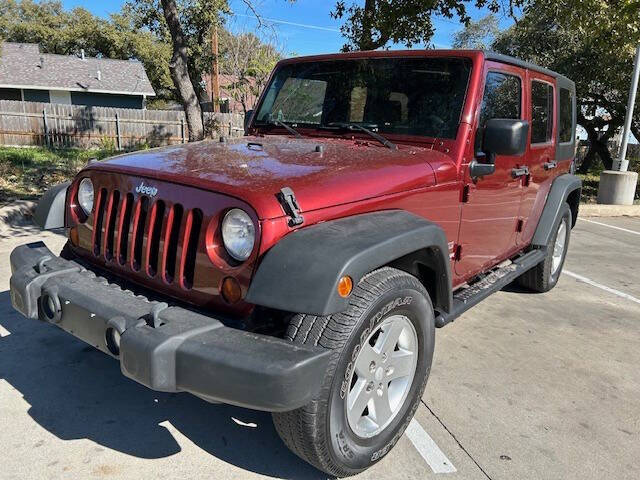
[[596, 210]]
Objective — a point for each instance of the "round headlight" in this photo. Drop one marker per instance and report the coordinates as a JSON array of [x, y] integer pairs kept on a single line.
[[85, 195], [238, 234]]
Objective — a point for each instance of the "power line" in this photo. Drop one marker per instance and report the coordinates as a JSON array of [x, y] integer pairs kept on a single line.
[[294, 24]]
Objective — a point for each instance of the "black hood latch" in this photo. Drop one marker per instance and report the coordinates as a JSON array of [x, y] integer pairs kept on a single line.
[[287, 199]]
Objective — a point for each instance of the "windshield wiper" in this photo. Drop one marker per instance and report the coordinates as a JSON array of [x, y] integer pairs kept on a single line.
[[288, 128], [356, 126]]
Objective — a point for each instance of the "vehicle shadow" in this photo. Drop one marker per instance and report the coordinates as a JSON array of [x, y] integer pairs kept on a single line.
[[76, 392]]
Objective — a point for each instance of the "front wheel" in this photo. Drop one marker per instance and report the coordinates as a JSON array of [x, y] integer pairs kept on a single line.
[[382, 351]]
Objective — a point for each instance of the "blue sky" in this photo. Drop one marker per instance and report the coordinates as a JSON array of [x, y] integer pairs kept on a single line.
[[315, 31]]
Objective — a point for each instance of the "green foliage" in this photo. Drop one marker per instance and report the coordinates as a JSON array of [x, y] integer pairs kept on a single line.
[[593, 43], [197, 18], [28, 172], [378, 22], [66, 32], [477, 34]]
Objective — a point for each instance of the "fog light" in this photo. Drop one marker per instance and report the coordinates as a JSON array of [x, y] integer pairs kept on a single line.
[[345, 285], [231, 291]]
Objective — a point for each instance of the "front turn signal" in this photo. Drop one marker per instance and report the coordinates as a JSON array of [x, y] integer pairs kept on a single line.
[[345, 286]]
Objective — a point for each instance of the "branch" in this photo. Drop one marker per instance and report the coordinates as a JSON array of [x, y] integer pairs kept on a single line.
[[252, 8]]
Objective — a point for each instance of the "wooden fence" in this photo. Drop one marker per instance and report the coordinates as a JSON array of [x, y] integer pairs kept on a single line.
[[60, 126]]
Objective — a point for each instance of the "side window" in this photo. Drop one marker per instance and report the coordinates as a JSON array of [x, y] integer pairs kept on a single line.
[[566, 115], [502, 99], [541, 112]]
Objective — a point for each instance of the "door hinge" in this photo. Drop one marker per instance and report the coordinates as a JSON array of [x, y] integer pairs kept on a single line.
[[457, 253], [465, 194], [287, 199]]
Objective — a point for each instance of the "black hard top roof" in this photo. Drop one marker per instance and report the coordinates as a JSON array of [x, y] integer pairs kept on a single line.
[[499, 57]]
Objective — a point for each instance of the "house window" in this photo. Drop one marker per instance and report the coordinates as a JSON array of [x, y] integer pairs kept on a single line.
[[541, 112]]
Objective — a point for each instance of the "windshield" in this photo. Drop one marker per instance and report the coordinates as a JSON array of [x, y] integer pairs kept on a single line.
[[407, 96]]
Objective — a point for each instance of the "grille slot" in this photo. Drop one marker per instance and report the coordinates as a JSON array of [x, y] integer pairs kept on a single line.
[[98, 220], [153, 242], [171, 242], [190, 246], [112, 215], [139, 222], [123, 229]]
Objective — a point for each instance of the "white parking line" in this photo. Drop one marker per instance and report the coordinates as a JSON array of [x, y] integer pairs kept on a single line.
[[602, 287], [428, 449], [611, 226]]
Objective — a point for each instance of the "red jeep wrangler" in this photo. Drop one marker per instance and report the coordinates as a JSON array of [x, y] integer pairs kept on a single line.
[[303, 269]]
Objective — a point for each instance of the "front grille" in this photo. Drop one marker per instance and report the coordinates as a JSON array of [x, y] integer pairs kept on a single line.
[[146, 236]]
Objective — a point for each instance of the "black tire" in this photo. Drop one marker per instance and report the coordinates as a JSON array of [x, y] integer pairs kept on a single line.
[[541, 278], [319, 432]]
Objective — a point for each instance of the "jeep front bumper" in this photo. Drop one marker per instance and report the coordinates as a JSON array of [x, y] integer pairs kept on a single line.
[[169, 349]]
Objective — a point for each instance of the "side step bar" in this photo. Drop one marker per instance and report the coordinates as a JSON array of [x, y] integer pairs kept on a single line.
[[494, 281]]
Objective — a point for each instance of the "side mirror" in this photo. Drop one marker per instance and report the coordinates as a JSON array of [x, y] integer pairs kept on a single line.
[[502, 136], [247, 120], [505, 137]]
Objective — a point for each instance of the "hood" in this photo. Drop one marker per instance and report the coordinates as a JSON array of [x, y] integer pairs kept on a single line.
[[254, 169]]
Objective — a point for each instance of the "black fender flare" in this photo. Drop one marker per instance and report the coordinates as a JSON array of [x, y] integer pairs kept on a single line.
[[301, 272], [561, 188], [49, 213]]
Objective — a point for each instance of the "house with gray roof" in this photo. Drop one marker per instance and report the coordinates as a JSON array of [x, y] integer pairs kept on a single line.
[[29, 75]]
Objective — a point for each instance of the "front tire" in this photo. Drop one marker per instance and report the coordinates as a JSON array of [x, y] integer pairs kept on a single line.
[[382, 351], [544, 276]]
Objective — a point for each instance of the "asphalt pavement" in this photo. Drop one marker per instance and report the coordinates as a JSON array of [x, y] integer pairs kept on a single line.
[[524, 386]]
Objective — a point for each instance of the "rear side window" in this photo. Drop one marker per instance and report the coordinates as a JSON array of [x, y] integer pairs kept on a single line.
[[566, 115], [541, 112]]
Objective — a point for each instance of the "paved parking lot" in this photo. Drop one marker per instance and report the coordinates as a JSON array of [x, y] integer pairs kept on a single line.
[[523, 386]]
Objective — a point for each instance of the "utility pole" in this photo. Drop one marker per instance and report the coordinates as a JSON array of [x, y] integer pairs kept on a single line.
[[215, 71], [623, 164]]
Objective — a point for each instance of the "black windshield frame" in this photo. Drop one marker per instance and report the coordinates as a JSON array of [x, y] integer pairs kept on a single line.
[[415, 97]]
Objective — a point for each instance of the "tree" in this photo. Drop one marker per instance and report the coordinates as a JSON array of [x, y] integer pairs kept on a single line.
[[477, 35], [378, 22], [248, 61], [593, 43], [186, 25]]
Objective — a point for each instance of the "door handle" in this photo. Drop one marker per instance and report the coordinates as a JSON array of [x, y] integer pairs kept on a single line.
[[519, 172], [550, 165]]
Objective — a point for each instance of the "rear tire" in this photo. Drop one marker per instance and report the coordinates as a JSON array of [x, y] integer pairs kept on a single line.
[[329, 432], [544, 276]]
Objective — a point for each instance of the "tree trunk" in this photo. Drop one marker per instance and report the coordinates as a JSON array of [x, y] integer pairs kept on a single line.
[[180, 72], [597, 146]]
